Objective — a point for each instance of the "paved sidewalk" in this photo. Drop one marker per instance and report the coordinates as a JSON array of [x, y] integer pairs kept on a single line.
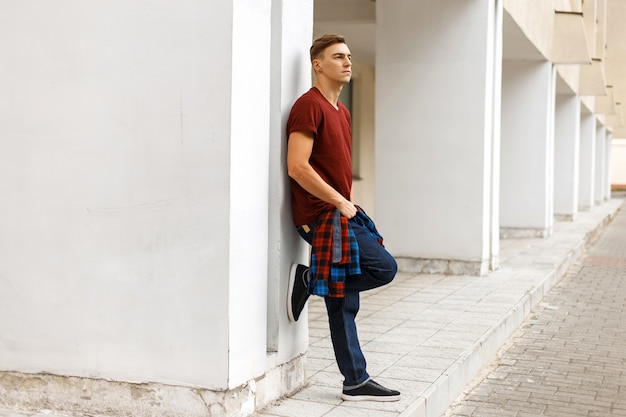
[[569, 357], [430, 335], [41, 413]]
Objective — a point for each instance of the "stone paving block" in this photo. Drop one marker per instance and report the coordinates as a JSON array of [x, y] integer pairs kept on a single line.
[[330, 379], [319, 393], [381, 346], [358, 412], [569, 356], [295, 407], [409, 373], [561, 410]]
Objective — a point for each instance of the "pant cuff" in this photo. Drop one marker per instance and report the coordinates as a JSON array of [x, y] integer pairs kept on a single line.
[[351, 387]]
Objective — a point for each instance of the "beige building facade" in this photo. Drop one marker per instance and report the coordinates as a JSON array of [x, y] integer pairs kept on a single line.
[[146, 234]]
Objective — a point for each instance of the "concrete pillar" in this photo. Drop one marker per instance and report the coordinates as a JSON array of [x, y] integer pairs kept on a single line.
[[618, 167], [566, 156], [587, 160], [292, 28], [436, 131], [527, 165], [608, 168], [248, 218], [600, 165], [137, 147]]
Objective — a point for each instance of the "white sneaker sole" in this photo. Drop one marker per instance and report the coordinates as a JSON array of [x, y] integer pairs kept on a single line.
[[377, 398]]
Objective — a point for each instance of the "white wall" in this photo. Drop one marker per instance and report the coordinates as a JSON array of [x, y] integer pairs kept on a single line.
[[601, 165], [134, 160], [527, 145], [587, 159], [433, 151], [618, 162], [249, 184], [290, 77], [566, 154]]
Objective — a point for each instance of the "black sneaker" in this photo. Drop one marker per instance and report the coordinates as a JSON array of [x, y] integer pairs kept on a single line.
[[297, 291], [370, 391]]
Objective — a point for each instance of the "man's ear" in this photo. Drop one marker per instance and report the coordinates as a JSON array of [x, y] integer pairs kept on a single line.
[[316, 64]]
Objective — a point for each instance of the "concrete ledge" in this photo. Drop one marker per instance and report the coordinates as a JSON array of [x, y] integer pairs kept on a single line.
[[565, 217], [90, 396], [521, 232], [442, 266]]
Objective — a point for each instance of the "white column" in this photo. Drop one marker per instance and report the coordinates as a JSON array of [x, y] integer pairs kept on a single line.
[[137, 148], [494, 224], [618, 167], [292, 28], [566, 156], [587, 160], [436, 129], [600, 165], [249, 185], [527, 165], [608, 159]]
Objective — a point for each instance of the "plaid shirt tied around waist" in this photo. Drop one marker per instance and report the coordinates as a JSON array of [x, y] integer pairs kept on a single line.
[[335, 252]]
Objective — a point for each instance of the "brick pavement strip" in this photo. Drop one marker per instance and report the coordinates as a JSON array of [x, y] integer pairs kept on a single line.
[[569, 357]]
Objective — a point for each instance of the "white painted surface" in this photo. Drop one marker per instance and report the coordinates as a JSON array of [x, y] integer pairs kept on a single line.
[[587, 160], [433, 172], [600, 165], [249, 185], [608, 151], [130, 216], [527, 145], [618, 161], [567, 154], [290, 77]]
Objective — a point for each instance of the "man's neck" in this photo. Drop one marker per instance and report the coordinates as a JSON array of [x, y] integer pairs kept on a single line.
[[330, 91]]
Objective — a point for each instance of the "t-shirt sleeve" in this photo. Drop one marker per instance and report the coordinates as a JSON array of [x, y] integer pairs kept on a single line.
[[305, 116]]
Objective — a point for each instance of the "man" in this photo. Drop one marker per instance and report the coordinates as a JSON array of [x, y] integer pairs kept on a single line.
[[347, 253]]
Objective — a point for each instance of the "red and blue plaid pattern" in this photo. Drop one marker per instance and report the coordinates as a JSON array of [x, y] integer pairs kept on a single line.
[[335, 253]]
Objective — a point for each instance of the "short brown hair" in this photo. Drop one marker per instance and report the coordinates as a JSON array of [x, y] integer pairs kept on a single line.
[[324, 42]]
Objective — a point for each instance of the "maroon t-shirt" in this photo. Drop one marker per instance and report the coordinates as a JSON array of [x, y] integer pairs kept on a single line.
[[331, 155]]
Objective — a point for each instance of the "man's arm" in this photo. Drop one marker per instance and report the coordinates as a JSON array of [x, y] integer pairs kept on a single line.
[[299, 148]]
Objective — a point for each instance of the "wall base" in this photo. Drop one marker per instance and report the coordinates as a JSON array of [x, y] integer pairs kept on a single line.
[[89, 396], [524, 232], [565, 217], [443, 266]]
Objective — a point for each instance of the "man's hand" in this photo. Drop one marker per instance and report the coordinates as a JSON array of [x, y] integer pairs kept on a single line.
[[347, 209]]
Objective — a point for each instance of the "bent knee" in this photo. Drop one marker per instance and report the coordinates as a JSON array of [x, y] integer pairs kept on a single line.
[[385, 272], [393, 269]]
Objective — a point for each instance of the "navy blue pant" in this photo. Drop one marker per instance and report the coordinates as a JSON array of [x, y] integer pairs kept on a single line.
[[378, 268]]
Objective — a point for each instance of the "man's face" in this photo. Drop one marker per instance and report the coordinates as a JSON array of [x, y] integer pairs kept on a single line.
[[335, 63]]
